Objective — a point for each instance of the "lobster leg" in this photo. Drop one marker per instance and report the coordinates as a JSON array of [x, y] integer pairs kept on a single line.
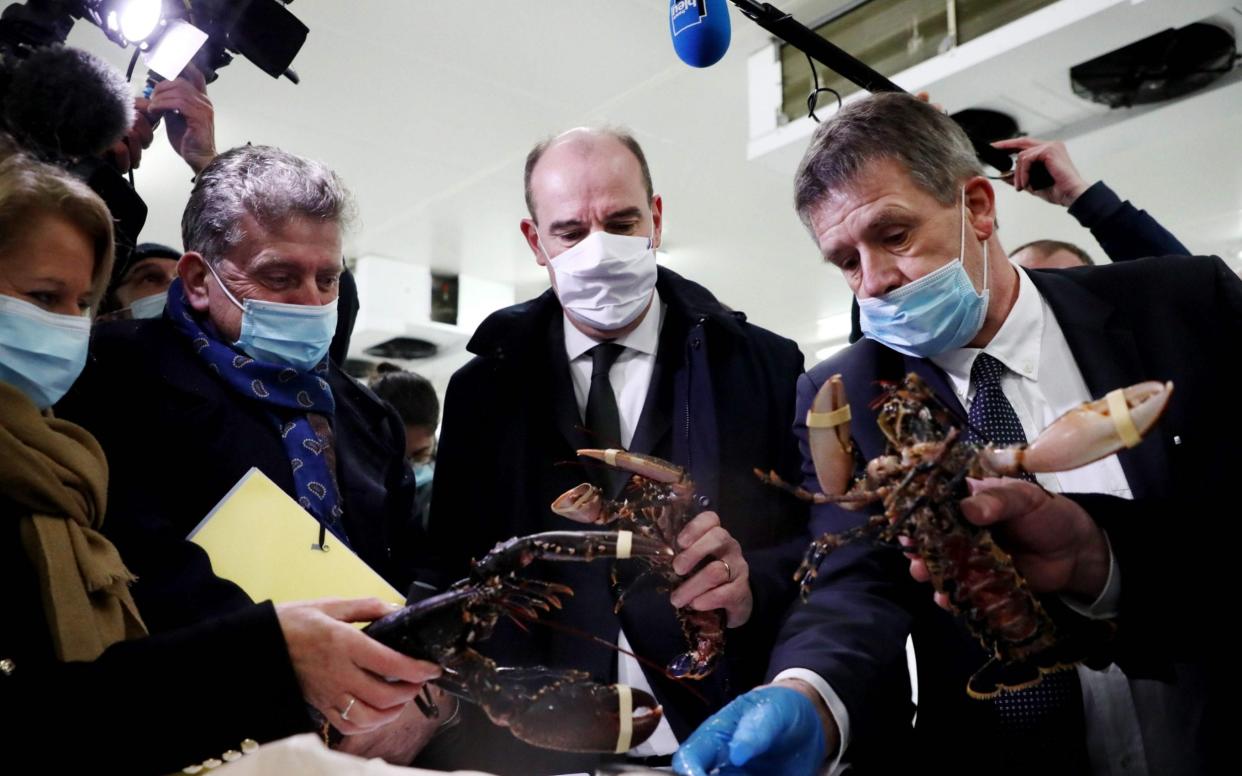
[[555, 709], [856, 498], [824, 545]]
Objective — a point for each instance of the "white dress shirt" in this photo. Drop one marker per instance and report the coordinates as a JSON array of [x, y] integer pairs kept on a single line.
[[1043, 382], [630, 378]]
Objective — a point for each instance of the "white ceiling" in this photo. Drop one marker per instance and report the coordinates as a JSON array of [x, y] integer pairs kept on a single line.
[[427, 110]]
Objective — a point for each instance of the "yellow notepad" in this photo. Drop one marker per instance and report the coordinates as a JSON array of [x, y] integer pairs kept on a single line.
[[259, 538]]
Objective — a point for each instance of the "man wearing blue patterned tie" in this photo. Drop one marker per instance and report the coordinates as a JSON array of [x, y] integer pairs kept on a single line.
[[894, 197]]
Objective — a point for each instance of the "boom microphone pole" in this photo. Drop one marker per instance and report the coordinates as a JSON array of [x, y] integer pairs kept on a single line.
[[819, 48]]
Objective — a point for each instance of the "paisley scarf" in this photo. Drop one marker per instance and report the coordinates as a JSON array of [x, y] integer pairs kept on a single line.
[[291, 398]]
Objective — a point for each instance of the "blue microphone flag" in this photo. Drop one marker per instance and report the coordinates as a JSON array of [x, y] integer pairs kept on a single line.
[[700, 30]]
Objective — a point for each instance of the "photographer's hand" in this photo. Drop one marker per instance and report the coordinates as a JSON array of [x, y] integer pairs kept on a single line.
[[126, 153], [187, 112]]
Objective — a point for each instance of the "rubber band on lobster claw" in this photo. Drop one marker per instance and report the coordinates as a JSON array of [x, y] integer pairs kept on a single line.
[[547, 707]]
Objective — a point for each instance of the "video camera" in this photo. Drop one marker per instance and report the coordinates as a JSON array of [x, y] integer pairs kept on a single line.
[[263, 31], [67, 106]]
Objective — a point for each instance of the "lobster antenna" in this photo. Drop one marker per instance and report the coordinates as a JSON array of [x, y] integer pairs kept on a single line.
[[645, 661]]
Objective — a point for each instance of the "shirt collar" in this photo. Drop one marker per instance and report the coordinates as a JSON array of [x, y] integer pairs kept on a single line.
[[1016, 344], [645, 338]]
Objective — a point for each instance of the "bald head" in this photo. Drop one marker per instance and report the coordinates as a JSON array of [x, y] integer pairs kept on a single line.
[[589, 145], [1050, 254]]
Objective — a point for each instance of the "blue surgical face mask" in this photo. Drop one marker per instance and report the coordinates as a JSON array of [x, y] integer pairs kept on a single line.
[[41, 353], [149, 306], [424, 473], [293, 335], [937, 313]]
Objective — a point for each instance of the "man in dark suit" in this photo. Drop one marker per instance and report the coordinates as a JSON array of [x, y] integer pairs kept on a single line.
[[687, 379], [892, 193]]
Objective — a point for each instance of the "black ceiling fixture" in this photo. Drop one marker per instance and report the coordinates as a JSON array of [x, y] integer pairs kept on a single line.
[[1162, 67], [406, 348], [988, 125]]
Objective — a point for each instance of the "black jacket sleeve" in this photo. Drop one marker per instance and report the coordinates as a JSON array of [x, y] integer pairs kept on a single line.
[[1122, 230], [157, 704], [852, 629]]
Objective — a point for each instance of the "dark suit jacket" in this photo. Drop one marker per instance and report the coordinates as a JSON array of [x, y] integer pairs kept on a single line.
[[177, 439], [720, 400], [1159, 318]]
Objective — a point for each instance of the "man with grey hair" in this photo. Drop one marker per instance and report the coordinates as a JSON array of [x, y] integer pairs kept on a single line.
[[893, 196], [235, 375]]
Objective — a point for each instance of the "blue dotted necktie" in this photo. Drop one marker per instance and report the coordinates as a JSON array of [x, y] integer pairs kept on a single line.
[[992, 418], [1050, 712]]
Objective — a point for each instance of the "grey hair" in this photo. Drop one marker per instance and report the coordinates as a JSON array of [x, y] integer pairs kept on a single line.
[[928, 144], [265, 183]]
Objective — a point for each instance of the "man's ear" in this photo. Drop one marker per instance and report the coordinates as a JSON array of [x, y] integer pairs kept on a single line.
[[192, 269], [530, 230], [981, 206], [657, 220]]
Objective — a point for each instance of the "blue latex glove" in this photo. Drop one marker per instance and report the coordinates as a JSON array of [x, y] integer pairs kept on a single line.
[[768, 730]]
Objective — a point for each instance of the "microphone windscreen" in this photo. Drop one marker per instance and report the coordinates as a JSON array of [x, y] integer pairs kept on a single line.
[[64, 103], [700, 30]]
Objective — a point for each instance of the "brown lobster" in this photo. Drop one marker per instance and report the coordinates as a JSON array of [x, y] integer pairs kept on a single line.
[[551, 708], [920, 481], [656, 503]]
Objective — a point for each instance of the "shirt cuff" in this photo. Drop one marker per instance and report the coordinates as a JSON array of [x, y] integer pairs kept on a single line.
[[835, 707], [1095, 204], [1107, 605]]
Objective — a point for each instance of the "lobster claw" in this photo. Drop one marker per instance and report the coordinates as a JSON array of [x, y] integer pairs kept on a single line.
[[509, 556], [1086, 433], [828, 433], [582, 504], [572, 713], [652, 468]]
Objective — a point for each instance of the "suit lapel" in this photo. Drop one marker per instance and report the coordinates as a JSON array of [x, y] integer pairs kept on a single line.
[[1108, 357], [564, 403], [657, 415], [936, 380]]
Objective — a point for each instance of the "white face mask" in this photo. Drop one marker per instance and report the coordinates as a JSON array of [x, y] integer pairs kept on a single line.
[[148, 306], [605, 280]]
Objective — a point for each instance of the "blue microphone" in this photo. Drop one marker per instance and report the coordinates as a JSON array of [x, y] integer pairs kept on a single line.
[[700, 30]]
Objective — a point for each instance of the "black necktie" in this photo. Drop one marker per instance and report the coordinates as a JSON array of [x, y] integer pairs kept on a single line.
[[603, 419], [1050, 712]]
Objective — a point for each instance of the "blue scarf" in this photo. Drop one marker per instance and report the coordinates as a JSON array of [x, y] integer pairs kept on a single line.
[[287, 394]]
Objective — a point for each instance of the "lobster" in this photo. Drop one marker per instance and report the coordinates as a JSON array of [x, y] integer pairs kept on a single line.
[[920, 481], [656, 503], [551, 708]]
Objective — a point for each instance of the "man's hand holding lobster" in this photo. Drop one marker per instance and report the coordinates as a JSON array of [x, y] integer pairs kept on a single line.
[[722, 580], [355, 682], [1055, 544]]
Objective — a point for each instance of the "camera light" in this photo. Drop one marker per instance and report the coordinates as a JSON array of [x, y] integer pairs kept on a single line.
[[139, 18]]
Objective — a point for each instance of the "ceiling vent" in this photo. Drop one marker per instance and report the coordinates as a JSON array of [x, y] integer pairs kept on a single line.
[[394, 320], [1162, 67], [1020, 68]]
